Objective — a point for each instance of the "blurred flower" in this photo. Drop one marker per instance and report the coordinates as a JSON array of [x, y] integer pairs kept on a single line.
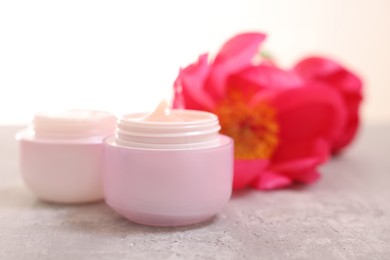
[[349, 86], [283, 124]]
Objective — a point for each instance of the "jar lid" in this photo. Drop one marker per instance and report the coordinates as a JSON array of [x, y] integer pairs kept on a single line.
[[73, 123]]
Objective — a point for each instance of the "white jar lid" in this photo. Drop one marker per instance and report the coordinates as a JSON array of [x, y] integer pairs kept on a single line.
[[168, 129], [73, 123]]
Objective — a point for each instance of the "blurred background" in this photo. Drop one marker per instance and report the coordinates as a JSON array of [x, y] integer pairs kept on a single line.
[[123, 56]]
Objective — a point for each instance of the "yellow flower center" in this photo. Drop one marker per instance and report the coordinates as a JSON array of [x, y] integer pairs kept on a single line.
[[254, 129]]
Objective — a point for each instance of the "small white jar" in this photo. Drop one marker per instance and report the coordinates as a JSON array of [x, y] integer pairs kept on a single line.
[[61, 154], [168, 168]]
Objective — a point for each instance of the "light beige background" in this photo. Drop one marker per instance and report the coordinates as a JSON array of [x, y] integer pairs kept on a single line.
[[123, 56]]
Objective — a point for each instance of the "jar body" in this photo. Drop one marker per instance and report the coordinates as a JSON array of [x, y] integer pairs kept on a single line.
[[64, 171], [168, 187]]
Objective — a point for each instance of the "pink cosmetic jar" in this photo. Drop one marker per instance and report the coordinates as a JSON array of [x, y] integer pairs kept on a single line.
[[168, 172], [61, 154]]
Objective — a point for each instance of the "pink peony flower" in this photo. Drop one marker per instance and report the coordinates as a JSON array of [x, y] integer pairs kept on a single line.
[[349, 86], [283, 125]]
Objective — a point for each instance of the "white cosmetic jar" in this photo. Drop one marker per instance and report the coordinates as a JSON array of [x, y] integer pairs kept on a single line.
[[61, 154], [168, 173]]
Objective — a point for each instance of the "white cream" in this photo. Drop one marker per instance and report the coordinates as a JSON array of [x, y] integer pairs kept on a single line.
[[163, 113]]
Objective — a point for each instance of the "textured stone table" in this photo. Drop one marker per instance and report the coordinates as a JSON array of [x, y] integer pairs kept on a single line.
[[344, 216]]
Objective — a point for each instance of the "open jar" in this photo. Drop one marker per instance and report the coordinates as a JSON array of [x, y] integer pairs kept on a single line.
[[168, 168], [61, 154]]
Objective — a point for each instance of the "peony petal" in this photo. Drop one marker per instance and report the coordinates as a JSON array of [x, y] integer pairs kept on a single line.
[[293, 167], [269, 180], [235, 55], [348, 85], [299, 160], [262, 77], [307, 113], [189, 87], [309, 118], [245, 171], [329, 71], [307, 177]]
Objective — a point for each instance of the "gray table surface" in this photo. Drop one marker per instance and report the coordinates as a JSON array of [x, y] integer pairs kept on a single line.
[[346, 215]]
